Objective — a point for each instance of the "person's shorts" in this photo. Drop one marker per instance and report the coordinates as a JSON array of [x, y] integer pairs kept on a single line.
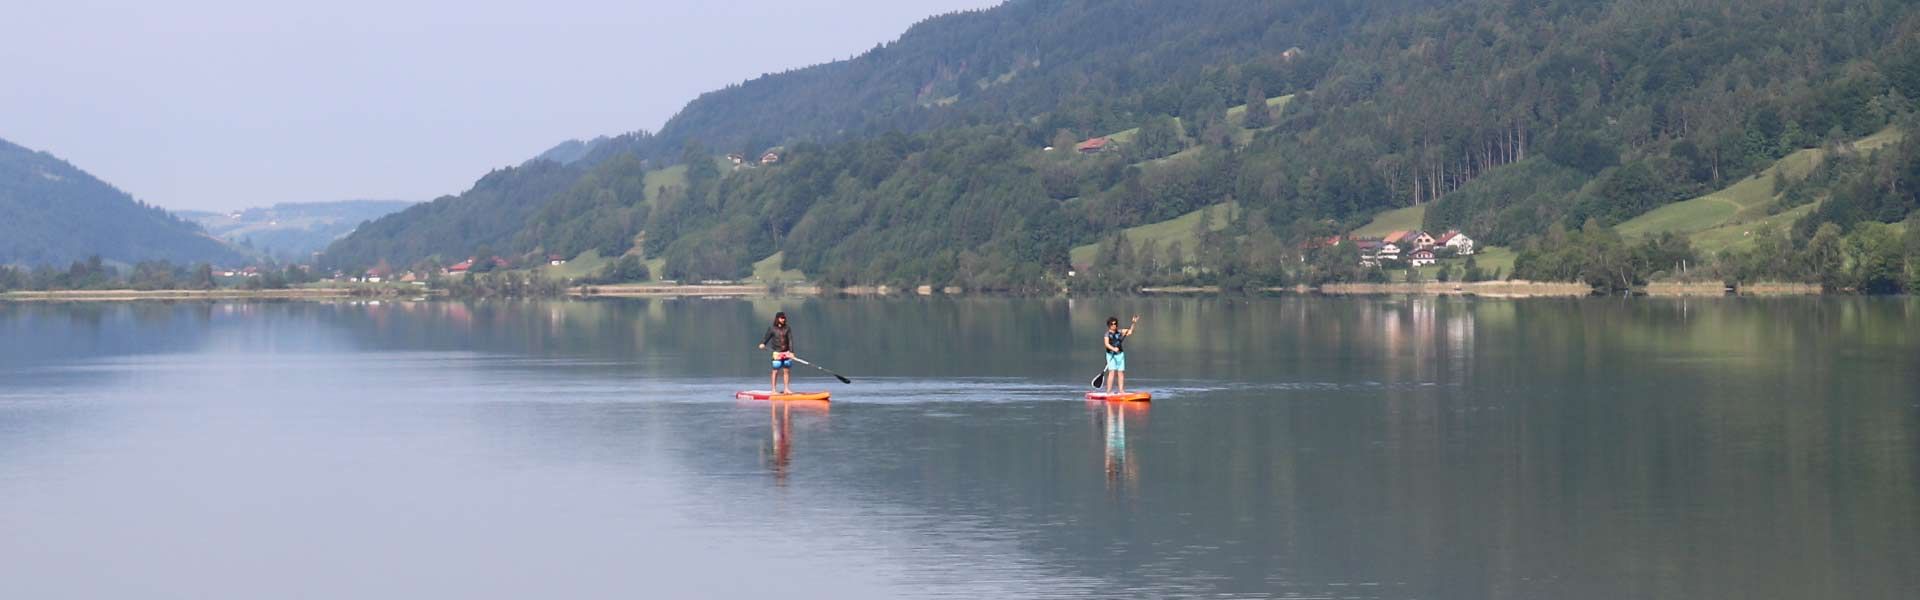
[[1117, 362], [783, 363]]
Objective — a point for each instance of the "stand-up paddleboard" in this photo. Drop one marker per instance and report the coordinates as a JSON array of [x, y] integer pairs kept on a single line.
[[1127, 397], [796, 396]]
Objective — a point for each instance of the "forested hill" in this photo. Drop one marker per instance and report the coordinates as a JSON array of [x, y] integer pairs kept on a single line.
[[1308, 116], [451, 228], [1085, 65], [55, 213]]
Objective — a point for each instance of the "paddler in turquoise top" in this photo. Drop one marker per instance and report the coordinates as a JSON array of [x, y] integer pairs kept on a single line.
[[781, 338], [1114, 341]]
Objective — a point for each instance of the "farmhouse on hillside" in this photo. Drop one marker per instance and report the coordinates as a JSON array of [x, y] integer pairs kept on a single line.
[[1459, 242], [1093, 146], [1421, 257], [1418, 248], [1410, 239]]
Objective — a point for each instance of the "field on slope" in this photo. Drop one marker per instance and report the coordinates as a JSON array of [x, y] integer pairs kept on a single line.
[[773, 268], [673, 176], [1393, 220], [1178, 229], [1241, 135], [1724, 218]]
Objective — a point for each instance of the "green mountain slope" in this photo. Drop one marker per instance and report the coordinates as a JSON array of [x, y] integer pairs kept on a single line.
[[484, 219], [56, 213], [1018, 61], [1744, 204], [920, 162], [1178, 230]]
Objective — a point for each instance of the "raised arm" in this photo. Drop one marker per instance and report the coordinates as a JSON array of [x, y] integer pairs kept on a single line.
[[1131, 327]]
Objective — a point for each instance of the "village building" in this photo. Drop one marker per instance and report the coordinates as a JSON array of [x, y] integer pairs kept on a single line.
[[1094, 146], [1421, 257], [737, 159], [1459, 242], [1388, 251], [1411, 239], [769, 158], [1369, 252], [556, 260]]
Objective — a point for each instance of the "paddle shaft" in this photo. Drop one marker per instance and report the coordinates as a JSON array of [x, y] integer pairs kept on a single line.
[[842, 378]]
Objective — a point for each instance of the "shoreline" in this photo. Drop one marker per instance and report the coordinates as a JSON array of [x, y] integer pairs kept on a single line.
[[1666, 289], [136, 295], [1494, 289], [1490, 289], [647, 290]]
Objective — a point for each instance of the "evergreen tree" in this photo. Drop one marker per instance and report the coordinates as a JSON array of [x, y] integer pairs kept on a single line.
[[1257, 116]]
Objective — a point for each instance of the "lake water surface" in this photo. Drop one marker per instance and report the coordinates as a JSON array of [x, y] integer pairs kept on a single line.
[[1297, 447]]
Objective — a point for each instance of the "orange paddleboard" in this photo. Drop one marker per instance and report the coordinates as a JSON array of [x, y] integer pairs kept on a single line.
[[1127, 397], [796, 396]]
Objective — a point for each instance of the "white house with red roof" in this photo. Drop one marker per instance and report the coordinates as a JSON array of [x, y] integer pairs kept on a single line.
[[1459, 242]]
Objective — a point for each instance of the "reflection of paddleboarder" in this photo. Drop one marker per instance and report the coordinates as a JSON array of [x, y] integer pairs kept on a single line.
[[780, 336], [782, 424], [1120, 469]]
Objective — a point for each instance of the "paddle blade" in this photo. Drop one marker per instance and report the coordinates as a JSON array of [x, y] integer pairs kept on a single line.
[[1099, 380], [842, 378]]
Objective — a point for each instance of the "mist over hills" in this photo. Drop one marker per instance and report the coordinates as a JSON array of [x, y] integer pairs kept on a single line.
[[292, 231]]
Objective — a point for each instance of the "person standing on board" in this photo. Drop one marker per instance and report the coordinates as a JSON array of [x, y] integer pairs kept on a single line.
[[780, 336], [1115, 341]]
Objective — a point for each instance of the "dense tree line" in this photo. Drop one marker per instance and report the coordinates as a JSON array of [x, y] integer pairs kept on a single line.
[[95, 274], [508, 284]]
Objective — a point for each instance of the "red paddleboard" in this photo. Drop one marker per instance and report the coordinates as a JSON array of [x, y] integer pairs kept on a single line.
[[1127, 397], [796, 396]]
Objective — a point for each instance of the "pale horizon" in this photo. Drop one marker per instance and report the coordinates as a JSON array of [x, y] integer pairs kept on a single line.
[[220, 105]]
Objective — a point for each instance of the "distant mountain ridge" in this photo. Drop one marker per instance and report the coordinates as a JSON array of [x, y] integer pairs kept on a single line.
[[293, 231], [570, 151], [56, 213]]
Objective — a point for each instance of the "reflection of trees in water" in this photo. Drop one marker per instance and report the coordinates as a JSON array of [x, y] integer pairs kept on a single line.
[[1536, 448], [1532, 448]]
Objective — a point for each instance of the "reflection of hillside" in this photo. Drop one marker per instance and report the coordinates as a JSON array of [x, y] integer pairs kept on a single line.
[[44, 333], [1445, 448]]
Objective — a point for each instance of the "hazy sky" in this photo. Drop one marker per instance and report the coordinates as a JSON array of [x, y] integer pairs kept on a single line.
[[217, 104]]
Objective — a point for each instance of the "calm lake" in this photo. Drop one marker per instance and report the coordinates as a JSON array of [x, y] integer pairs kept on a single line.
[[1297, 447]]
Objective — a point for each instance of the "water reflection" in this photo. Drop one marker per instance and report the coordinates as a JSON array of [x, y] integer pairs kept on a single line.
[[1373, 448], [778, 452], [1123, 472]]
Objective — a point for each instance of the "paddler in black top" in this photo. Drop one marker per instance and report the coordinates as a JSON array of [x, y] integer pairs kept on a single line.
[[1114, 342], [781, 337]]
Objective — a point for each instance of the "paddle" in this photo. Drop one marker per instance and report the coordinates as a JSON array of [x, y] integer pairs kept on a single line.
[[842, 378], [1100, 380]]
